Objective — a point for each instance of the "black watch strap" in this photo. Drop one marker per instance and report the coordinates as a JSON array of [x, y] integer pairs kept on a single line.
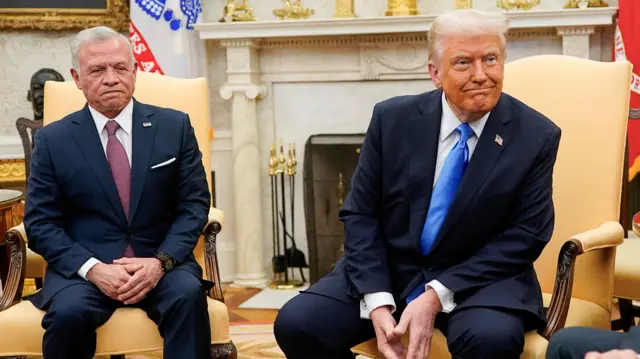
[[166, 260]]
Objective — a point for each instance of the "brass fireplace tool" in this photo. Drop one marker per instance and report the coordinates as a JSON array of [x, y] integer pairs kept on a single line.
[[283, 170]]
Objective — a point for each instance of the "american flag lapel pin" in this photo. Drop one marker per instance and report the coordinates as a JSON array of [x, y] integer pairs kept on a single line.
[[146, 124], [498, 140]]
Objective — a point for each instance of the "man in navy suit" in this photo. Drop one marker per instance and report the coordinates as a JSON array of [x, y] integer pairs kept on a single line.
[[450, 205], [116, 200]]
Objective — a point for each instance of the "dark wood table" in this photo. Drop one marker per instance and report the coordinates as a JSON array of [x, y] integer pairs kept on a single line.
[[9, 200]]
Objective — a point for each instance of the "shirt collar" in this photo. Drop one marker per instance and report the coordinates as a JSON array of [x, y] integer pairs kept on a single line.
[[450, 121], [124, 118]]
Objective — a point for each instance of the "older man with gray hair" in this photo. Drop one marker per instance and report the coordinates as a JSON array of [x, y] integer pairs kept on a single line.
[[450, 205], [117, 198]]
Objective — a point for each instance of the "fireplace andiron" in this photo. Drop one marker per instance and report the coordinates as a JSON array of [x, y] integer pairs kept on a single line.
[[284, 259]]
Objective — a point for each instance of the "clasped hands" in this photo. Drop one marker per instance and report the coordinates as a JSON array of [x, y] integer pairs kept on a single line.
[[418, 318], [127, 280]]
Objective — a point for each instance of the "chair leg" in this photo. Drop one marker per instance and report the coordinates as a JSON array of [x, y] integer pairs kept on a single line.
[[121, 356], [626, 314], [224, 351]]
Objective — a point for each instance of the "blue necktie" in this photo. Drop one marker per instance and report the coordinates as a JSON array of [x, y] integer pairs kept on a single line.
[[443, 194]]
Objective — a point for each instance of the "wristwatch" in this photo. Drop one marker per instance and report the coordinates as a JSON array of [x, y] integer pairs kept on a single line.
[[166, 260]]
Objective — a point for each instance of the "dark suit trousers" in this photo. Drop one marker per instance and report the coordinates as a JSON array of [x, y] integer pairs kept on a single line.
[[313, 326], [178, 305], [576, 342]]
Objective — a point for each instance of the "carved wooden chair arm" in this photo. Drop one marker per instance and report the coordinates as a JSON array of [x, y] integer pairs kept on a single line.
[[609, 234], [211, 230], [12, 288]]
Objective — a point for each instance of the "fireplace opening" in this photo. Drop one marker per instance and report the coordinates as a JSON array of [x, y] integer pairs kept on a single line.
[[329, 163]]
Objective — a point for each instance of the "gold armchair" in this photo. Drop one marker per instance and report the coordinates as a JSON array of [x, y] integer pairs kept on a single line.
[[129, 330], [589, 100]]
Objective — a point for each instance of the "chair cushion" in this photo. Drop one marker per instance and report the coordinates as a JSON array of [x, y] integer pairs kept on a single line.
[[581, 313], [627, 273], [534, 348], [35, 265], [128, 331]]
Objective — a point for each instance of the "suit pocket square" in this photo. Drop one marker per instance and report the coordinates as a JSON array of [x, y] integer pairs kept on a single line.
[[163, 163]]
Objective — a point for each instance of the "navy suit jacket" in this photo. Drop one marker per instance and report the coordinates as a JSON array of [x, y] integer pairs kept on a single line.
[[498, 224], [72, 209]]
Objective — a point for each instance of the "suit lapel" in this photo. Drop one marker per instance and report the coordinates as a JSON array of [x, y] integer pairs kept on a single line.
[[424, 136], [88, 139], [143, 131], [484, 158]]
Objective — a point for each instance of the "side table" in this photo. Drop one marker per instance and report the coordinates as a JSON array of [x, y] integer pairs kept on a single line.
[[9, 200]]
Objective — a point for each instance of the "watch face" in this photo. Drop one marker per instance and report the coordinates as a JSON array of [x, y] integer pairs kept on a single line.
[[168, 264]]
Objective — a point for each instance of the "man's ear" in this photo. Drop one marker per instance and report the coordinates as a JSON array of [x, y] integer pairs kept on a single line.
[[435, 74], [76, 78]]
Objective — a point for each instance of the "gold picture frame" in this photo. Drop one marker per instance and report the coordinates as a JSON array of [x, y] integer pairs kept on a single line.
[[115, 15]]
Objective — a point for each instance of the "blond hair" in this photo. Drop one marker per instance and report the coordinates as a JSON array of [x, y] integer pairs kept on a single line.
[[465, 22]]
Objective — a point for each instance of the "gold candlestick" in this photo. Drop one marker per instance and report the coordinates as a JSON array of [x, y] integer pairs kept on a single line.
[[344, 9], [402, 8], [463, 4]]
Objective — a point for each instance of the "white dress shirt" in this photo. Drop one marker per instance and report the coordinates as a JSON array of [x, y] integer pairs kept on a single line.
[[448, 138], [123, 134]]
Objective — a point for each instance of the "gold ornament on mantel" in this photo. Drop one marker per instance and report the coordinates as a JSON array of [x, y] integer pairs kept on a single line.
[[402, 8], [574, 4], [293, 10], [463, 4], [237, 12], [344, 9], [518, 4]]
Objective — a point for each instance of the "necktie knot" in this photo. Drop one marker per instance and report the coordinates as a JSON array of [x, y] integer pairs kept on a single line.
[[465, 132], [112, 126]]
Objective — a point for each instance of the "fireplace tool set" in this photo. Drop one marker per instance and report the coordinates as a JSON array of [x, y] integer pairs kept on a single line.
[[285, 259]]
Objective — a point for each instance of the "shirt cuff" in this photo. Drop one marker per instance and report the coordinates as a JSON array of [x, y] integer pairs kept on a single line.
[[444, 294], [372, 301], [87, 266]]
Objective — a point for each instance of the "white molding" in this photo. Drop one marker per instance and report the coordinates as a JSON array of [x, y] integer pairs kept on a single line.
[[388, 25], [11, 147]]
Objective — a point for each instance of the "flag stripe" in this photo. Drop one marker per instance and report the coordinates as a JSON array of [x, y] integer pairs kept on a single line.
[[142, 52]]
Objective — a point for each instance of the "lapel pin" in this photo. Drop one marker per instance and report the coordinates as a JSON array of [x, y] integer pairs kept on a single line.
[[498, 140], [146, 124]]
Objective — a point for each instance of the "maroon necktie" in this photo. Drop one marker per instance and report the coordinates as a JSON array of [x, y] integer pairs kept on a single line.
[[121, 171]]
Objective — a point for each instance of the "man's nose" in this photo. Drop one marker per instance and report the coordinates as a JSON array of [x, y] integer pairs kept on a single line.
[[110, 77], [479, 74]]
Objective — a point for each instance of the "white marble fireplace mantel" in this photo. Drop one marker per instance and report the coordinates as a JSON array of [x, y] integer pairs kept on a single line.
[[292, 79], [386, 25]]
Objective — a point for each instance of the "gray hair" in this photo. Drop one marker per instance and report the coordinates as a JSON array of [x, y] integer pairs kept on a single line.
[[465, 22], [94, 35]]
